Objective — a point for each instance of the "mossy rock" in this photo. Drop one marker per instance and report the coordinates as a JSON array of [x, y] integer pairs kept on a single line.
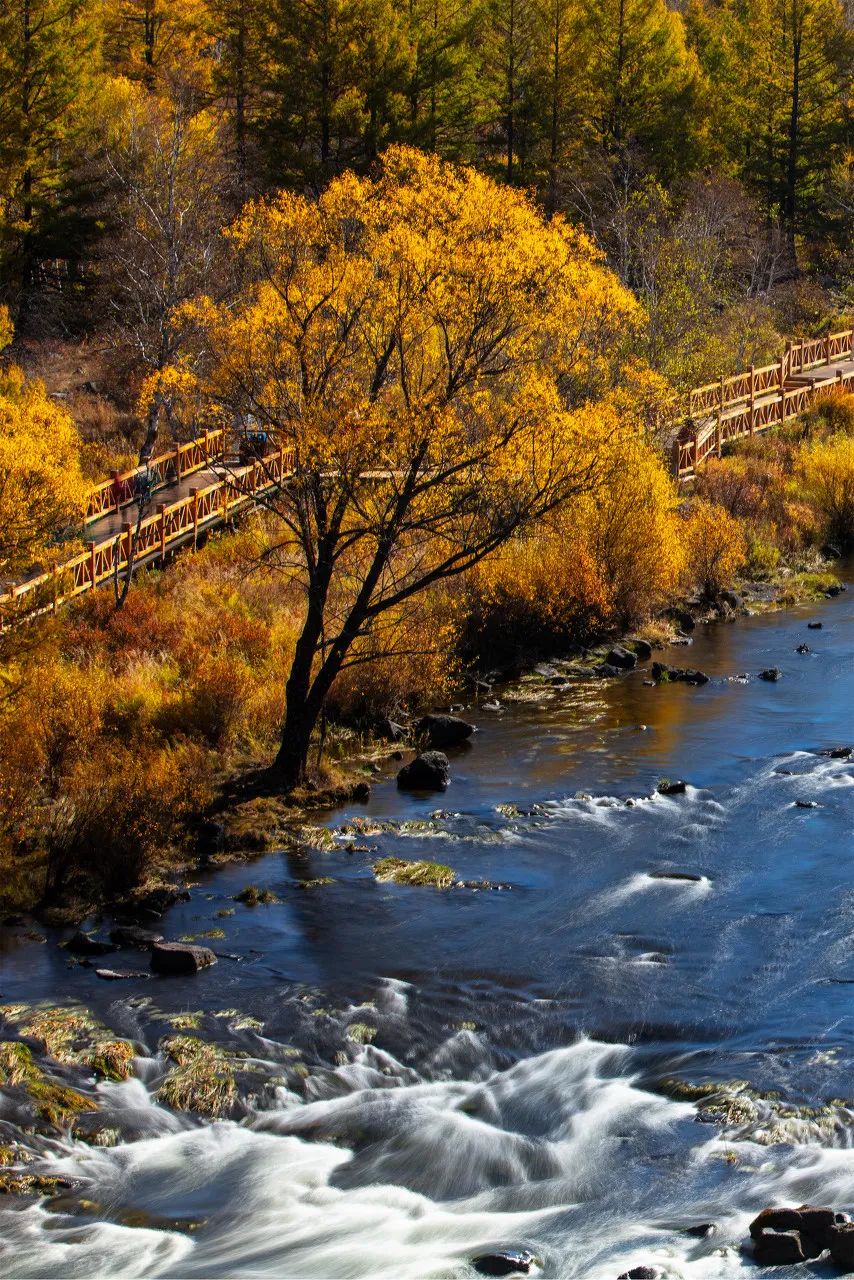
[[399, 871]]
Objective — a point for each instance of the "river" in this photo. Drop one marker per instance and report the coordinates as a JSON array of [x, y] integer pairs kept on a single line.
[[511, 1095]]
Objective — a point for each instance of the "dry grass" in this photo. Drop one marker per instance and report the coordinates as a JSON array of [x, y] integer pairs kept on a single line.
[[399, 871]]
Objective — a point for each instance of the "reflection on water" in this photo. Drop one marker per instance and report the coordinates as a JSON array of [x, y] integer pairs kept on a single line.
[[510, 1095]]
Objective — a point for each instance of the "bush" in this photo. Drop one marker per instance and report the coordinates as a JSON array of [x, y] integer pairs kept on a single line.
[[827, 472], [715, 548]]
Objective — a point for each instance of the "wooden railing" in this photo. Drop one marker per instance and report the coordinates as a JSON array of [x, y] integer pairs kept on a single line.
[[752, 401], [171, 525], [166, 469]]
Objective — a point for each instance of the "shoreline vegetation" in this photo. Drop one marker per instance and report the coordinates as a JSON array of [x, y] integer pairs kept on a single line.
[[148, 728]]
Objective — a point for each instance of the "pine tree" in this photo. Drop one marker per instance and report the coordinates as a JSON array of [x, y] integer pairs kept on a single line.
[[48, 58]]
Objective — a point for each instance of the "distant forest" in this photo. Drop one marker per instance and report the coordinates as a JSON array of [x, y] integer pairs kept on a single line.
[[707, 147]]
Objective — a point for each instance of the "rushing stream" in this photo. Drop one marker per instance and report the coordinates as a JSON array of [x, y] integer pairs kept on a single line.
[[511, 1095]]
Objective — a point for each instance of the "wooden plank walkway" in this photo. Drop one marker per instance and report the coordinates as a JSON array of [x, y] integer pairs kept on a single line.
[[195, 508], [751, 402]]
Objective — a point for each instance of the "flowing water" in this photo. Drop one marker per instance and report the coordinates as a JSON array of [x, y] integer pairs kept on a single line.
[[512, 1093]]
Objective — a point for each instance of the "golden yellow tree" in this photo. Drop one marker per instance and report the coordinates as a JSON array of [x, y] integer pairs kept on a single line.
[[41, 485], [429, 348]]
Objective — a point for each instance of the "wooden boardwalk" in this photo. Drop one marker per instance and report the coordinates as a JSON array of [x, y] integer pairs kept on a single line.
[[750, 402], [208, 497]]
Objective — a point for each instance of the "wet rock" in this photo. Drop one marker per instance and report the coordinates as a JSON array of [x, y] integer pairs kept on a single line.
[[133, 935], [690, 876], [702, 1230], [810, 1223], [427, 772], [180, 957], [510, 1263], [840, 1239], [802, 648], [830, 551], [119, 975], [607, 670], [390, 731], [361, 792], [806, 804], [839, 753], [640, 1273], [778, 1248], [621, 657], [677, 787], [770, 673], [83, 944], [664, 674], [643, 649], [443, 730], [835, 590], [157, 900], [815, 626]]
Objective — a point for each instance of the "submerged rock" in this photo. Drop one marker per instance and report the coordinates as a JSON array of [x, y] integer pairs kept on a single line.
[[806, 804], [690, 876], [802, 648], [510, 1263], [180, 957], [429, 771], [701, 1231], [443, 730], [770, 673], [133, 935], [83, 944], [815, 626]]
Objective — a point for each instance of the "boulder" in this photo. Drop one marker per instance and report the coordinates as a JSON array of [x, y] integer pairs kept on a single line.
[[83, 944], [810, 1223], [390, 731], [778, 1248], [770, 673], [510, 1262], [802, 648], [427, 772], [835, 590], [840, 1239], [839, 753], [443, 730], [621, 657], [701, 1231], [681, 617], [180, 957], [361, 792], [156, 901], [133, 935], [677, 787], [607, 670], [640, 1273], [643, 649], [815, 626]]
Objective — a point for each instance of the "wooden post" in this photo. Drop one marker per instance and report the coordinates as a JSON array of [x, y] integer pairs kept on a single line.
[[194, 494], [178, 463], [55, 585], [92, 562], [205, 445], [827, 348], [161, 511], [752, 399]]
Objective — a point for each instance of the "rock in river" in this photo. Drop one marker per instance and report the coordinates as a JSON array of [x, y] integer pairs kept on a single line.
[[427, 772], [133, 935], [770, 673], [83, 944], [180, 957], [666, 787], [443, 730], [511, 1262], [664, 674], [621, 657]]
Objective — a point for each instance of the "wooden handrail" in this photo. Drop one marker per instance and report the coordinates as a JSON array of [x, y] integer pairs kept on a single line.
[[759, 398], [164, 469]]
